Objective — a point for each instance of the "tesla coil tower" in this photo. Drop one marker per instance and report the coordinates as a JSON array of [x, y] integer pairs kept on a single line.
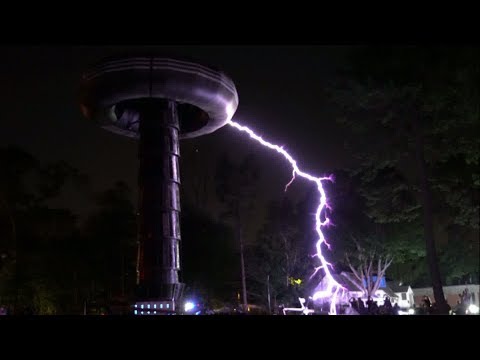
[[157, 100]]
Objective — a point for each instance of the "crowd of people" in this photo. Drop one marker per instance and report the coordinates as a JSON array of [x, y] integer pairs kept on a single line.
[[371, 307]]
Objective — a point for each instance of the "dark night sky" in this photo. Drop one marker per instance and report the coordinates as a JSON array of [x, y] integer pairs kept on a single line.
[[280, 92]]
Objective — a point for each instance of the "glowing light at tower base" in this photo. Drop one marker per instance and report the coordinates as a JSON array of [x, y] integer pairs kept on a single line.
[[332, 287]]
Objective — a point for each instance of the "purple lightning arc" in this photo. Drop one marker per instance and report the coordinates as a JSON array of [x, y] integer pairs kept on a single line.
[[332, 287]]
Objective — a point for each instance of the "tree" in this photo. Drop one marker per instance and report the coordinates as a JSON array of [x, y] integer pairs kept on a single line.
[[110, 239], [208, 255], [394, 219], [355, 214], [236, 188], [400, 98], [30, 230], [277, 268], [17, 165], [52, 178], [459, 257], [368, 266]]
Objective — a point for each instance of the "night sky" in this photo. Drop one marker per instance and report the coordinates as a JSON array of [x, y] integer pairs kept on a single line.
[[281, 96]]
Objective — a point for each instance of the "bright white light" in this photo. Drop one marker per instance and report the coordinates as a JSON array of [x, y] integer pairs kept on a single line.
[[230, 111], [189, 306], [411, 311], [473, 309], [304, 310]]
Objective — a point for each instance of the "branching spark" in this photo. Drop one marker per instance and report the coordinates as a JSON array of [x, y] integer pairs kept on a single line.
[[332, 286]]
